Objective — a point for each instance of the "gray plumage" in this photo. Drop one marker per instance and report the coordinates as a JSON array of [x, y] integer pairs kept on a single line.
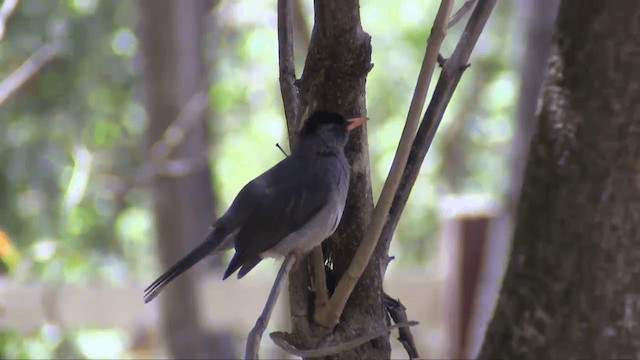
[[292, 207]]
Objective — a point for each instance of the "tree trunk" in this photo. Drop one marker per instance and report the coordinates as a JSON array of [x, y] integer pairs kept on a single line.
[[571, 289], [539, 16], [334, 78], [538, 19], [171, 35]]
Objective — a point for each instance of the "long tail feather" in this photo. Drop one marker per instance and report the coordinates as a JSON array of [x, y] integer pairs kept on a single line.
[[208, 246]]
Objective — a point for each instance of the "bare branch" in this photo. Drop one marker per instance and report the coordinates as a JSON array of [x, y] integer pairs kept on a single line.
[[449, 79], [175, 168], [176, 131], [399, 315], [173, 136], [279, 339], [328, 316], [7, 9], [253, 340], [464, 10], [287, 65], [29, 68]]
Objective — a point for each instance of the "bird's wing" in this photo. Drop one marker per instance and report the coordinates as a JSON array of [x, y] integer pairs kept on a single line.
[[292, 193]]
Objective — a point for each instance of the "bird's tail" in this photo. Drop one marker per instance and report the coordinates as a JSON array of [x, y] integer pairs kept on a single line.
[[208, 246]]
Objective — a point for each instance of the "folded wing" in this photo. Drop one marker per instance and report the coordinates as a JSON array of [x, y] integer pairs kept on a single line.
[[291, 194]]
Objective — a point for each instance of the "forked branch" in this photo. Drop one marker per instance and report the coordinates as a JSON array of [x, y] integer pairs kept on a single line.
[[279, 339], [449, 79], [328, 315]]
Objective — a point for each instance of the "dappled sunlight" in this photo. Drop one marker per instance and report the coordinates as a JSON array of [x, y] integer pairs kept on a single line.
[[77, 167]]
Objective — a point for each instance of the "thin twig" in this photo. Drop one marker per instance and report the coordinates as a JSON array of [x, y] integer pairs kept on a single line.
[[329, 315], [7, 9], [175, 133], [282, 150], [399, 315], [175, 168], [287, 65], [447, 83], [279, 339], [173, 136], [464, 10], [255, 335], [29, 68]]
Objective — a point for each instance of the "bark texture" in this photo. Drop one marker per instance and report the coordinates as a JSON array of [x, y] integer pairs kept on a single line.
[[571, 289], [334, 77], [171, 36]]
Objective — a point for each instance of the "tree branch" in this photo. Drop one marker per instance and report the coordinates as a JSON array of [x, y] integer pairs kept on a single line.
[[334, 77], [7, 9], [287, 66], [464, 10], [253, 340], [279, 339], [187, 118], [449, 79], [172, 137], [399, 315], [329, 315], [29, 68]]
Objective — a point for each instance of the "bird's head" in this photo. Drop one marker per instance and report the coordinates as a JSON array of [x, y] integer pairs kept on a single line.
[[328, 130]]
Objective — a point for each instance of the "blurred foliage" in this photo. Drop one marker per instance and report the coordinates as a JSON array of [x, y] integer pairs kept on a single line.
[[72, 140]]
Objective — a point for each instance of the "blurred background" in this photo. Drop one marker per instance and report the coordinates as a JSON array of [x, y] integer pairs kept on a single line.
[[106, 105]]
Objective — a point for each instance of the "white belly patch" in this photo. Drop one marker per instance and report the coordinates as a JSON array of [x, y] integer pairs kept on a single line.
[[310, 235]]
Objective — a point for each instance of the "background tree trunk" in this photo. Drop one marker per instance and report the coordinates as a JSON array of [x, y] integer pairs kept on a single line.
[[334, 77], [171, 34], [571, 288]]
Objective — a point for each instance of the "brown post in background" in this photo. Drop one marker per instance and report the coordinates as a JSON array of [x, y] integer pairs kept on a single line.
[[468, 228]]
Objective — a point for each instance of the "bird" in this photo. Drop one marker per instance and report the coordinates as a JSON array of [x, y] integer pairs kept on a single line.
[[291, 208]]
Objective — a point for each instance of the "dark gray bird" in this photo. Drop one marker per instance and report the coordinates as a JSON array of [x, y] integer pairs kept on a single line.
[[292, 207]]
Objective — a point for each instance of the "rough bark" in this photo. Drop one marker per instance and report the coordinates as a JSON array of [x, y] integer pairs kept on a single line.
[[334, 77], [171, 36], [571, 289]]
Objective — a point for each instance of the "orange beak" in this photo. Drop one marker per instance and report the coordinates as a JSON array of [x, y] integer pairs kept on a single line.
[[356, 123]]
